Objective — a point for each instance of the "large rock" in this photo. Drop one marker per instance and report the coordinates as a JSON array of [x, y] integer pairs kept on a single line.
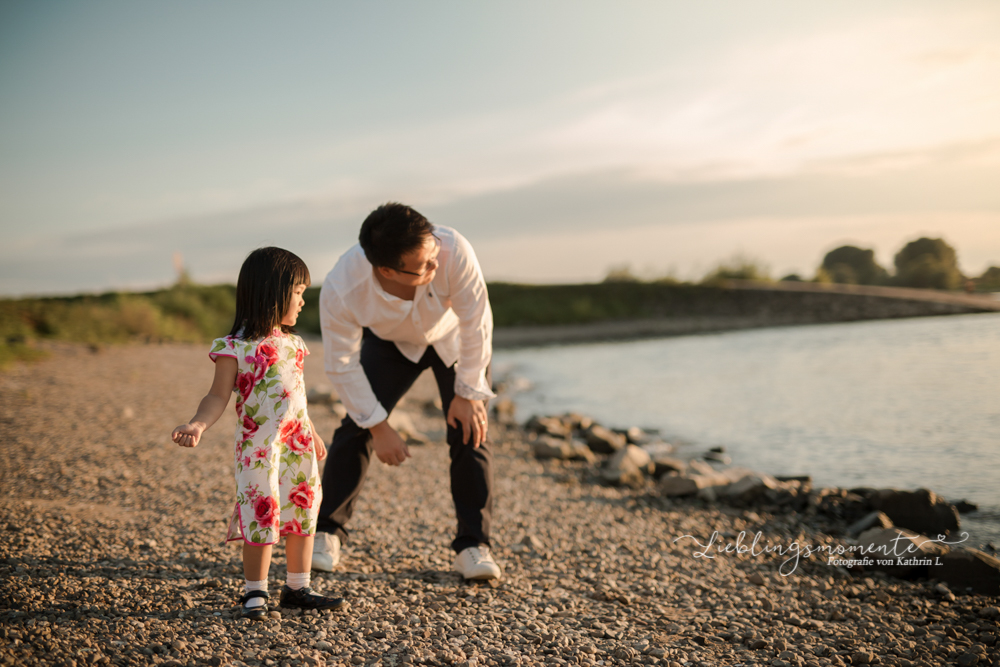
[[872, 520], [547, 447], [970, 569], [603, 440], [628, 467], [663, 462], [922, 510], [581, 452], [746, 485], [637, 436], [699, 467], [548, 426], [898, 552], [712, 484], [576, 421]]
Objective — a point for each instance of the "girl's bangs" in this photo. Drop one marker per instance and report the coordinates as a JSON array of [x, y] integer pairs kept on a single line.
[[300, 274]]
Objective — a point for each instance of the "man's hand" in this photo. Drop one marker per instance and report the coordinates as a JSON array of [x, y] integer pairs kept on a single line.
[[472, 415], [388, 446], [188, 435]]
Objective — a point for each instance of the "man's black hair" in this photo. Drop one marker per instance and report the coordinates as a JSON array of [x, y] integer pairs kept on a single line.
[[264, 290], [391, 231]]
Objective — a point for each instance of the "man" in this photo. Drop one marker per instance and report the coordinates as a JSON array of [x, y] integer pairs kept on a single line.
[[408, 297]]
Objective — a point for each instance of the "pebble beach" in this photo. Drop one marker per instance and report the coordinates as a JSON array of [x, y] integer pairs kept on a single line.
[[111, 552]]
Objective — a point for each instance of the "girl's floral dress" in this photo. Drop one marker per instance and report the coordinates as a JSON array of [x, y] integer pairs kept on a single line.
[[277, 474]]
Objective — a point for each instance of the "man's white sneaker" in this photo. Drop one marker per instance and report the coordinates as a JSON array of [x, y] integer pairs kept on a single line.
[[326, 552], [477, 563]]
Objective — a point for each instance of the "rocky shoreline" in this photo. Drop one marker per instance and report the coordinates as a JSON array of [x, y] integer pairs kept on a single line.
[[886, 530], [111, 552]]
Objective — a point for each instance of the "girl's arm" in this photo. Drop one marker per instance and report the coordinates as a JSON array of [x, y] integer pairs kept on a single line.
[[317, 442], [212, 406]]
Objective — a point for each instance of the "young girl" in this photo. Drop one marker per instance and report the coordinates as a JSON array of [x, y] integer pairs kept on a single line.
[[277, 449]]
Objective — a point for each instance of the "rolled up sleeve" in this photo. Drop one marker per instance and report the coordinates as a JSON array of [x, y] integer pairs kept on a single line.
[[342, 352], [471, 304]]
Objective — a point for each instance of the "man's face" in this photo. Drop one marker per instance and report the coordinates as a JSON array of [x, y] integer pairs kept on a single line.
[[419, 266]]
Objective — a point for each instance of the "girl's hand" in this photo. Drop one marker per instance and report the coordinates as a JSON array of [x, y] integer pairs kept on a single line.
[[188, 435], [318, 445]]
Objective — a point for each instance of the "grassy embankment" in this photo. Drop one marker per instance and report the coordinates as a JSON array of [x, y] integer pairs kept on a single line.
[[199, 313], [181, 313]]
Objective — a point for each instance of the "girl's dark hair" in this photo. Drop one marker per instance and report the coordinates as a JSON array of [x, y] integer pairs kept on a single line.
[[391, 231], [267, 281]]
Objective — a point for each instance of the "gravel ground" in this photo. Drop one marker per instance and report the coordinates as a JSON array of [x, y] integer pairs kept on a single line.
[[111, 553]]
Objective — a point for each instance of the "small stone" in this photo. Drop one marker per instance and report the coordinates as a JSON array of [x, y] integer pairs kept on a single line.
[[532, 543], [862, 658], [758, 644], [757, 578], [968, 660]]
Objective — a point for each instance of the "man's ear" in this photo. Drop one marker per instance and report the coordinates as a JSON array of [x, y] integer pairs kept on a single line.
[[385, 271]]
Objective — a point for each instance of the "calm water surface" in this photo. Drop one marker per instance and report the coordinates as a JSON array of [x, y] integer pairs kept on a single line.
[[893, 403]]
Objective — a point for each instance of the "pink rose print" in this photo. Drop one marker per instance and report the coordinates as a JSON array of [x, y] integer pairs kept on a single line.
[[246, 461], [302, 496], [300, 443], [249, 427], [259, 364], [260, 454], [253, 492], [293, 527], [269, 353], [245, 383], [289, 429], [265, 511], [299, 359]]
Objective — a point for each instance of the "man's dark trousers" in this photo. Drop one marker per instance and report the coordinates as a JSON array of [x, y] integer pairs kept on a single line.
[[391, 375]]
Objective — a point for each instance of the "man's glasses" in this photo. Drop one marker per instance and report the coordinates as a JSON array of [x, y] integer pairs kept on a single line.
[[432, 263]]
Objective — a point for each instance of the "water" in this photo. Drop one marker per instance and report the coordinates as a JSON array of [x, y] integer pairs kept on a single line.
[[892, 403]]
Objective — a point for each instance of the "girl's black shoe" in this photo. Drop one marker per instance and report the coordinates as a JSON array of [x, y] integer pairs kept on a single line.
[[304, 598], [254, 613]]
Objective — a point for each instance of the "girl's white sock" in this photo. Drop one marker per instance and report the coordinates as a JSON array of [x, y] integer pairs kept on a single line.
[[297, 580], [255, 586]]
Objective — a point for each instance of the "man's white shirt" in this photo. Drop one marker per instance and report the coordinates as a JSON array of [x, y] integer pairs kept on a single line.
[[452, 313]]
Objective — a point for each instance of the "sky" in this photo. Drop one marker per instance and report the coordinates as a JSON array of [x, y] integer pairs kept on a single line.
[[563, 139]]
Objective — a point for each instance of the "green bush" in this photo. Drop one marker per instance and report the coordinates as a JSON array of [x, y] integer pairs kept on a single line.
[[854, 266], [738, 268]]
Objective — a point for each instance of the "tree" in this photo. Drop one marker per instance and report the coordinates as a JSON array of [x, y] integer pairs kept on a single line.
[[990, 280], [854, 266], [928, 263]]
